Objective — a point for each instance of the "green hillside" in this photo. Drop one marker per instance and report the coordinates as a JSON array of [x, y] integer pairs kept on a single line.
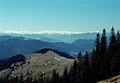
[[37, 64]]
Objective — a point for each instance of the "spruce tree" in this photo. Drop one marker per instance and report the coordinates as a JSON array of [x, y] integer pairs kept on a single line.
[[103, 44], [21, 79], [65, 77], [112, 44], [93, 67], [97, 45], [103, 55], [79, 56], [96, 58], [118, 36], [73, 72], [85, 69], [111, 50], [79, 68], [55, 77], [115, 63]]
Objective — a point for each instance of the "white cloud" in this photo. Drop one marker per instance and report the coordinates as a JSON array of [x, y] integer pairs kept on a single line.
[[46, 32]]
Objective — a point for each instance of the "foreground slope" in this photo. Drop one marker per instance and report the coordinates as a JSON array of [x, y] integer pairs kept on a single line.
[[115, 79], [37, 64]]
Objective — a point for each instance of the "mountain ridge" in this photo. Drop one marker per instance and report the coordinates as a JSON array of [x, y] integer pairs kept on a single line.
[[36, 64], [56, 51], [20, 45]]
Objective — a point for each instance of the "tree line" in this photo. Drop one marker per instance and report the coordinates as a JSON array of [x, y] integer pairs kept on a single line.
[[102, 63]]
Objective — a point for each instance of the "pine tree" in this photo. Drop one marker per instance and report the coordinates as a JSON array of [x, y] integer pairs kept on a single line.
[[85, 69], [73, 72], [86, 60], [79, 56], [55, 77], [103, 55], [65, 77], [21, 80], [96, 58], [97, 45], [47, 79], [41, 80], [103, 45], [115, 63], [112, 44], [79, 68], [28, 80], [111, 50], [112, 38], [93, 67], [118, 36], [118, 56]]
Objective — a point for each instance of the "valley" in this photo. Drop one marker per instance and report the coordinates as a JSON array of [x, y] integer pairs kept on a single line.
[[11, 46]]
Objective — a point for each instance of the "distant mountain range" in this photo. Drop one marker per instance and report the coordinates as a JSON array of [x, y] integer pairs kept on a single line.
[[47, 37], [11, 46], [35, 64], [47, 32]]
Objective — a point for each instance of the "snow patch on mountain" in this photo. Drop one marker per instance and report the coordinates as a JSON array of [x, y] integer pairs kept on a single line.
[[47, 32]]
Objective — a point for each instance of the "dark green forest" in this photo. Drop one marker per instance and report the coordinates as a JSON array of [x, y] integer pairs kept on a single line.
[[103, 63]]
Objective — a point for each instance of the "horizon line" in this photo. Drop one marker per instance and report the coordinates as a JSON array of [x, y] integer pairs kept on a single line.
[[46, 32]]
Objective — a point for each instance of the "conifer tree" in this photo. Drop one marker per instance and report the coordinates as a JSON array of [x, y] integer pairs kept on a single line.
[[73, 72], [97, 45], [47, 79], [86, 60], [55, 77], [93, 67], [118, 36], [115, 62], [112, 38], [79, 68], [85, 69], [21, 79], [65, 77], [28, 80], [79, 56], [112, 44], [103, 44], [103, 54], [111, 50], [96, 58]]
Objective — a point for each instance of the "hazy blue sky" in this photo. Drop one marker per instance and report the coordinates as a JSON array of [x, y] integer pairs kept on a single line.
[[69, 15]]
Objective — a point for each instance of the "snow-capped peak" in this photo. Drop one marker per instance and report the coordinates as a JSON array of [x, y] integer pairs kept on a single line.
[[46, 32]]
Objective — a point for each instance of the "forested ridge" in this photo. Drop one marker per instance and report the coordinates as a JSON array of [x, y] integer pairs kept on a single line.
[[103, 63]]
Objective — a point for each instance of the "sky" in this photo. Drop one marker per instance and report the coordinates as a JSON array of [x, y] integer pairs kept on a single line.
[[67, 15]]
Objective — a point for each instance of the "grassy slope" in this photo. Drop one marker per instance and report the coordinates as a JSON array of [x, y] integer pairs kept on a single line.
[[37, 63]]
